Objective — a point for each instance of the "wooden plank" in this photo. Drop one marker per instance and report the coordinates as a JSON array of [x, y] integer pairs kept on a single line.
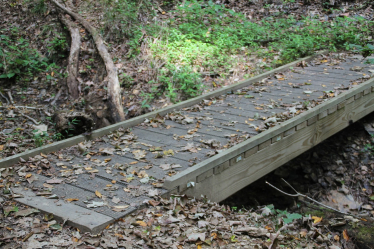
[[367, 91], [199, 168], [301, 126], [219, 187], [342, 104], [359, 95], [236, 159], [250, 152], [332, 109], [9, 161], [289, 132], [312, 120], [223, 166], [322, 114], [264, 145], [204, 175], [276, 138]]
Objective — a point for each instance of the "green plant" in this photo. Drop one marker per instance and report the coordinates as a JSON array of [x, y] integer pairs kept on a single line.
[[40, 137], [17, 59], [369, 147]]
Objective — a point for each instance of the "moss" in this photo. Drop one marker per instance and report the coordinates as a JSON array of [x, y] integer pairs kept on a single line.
[[365, 232]]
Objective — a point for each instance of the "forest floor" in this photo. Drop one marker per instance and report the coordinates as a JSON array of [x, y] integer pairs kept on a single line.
[[338, 172]]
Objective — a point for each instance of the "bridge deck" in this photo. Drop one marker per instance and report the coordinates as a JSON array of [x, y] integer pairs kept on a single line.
[[213, 145]]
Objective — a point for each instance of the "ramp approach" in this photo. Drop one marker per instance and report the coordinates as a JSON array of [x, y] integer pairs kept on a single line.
[[212, 145]]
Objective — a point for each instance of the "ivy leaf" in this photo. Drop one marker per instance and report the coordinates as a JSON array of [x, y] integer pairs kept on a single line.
[[292, 217]]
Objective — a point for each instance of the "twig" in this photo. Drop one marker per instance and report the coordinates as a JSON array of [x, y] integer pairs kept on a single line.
[[7, 100], [307, 197], [28, 236], [23, 107], [57, 96], [10, 97], [26, 116], [276, 235]]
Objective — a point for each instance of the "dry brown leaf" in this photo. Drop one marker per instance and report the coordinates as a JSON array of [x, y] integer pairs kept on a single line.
[[72, 199], [316, 219], [98, 194], [141, 223], [345, 235], [336, 237]]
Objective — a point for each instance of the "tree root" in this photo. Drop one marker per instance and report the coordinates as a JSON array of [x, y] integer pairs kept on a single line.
[[114, 96], [72, 68]]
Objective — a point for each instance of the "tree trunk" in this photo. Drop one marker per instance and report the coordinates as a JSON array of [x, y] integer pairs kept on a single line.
[[72, 68], [114, 96]]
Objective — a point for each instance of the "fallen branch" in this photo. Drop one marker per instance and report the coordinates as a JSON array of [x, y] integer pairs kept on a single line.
[[33, 120], [114, 90], [311, 199], [10, 97], [72, 68], [273, 244], [7, 100], [57, 96]]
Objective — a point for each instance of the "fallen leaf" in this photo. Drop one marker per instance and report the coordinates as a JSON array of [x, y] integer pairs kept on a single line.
[[98, 194], [141, 223], [316, 219], [345, 235], [54, 181], [72, 199]]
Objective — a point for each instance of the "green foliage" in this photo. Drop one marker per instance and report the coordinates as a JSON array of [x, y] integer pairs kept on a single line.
[[122, 21], [40, 7], [40, 138], [17, 59], [369, 147], [58, 47], [365, 51], [174, 80], [284, 214], [212, 30]]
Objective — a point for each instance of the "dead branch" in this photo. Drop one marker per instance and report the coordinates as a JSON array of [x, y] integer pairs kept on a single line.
[[307, 197], [33, 120], [57, 96], [114, 90], [10, 97], [273, 244], [72, 68], [7, 100]]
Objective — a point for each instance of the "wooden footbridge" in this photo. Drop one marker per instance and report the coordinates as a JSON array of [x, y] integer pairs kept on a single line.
[[212, 145]]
